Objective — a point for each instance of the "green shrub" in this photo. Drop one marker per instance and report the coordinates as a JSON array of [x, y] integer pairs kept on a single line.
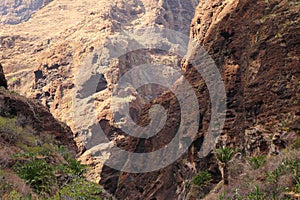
[[12, 80], [236, 195], [296, 144], [63, 151], [297, 184], [13, 132], [73, 167], [291, 166], [31, 152], [14, 195], [76, 167], [48, 168], [222, 195], [201, 178], [258, 161], [274, 175], [79, 189], [257, 194], [224, 154], [37, 173], [5, 186], [43, 150]]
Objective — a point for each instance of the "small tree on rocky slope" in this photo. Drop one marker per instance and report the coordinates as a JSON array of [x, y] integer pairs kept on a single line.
[[224, 155]]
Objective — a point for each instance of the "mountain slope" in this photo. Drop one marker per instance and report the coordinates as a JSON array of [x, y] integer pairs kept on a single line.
[[37, 156], [255, 45], [15, 12]]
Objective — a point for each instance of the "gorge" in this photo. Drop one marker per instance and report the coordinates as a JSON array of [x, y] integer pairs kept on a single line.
[[58, 48]]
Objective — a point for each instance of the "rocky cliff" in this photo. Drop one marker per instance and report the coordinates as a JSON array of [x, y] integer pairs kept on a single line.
[[256, 48], [255, 45]]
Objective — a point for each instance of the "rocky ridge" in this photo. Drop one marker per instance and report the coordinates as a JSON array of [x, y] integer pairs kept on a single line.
[[15, 12]]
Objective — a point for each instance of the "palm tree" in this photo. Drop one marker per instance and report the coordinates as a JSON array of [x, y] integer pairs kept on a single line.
[[224, 155]]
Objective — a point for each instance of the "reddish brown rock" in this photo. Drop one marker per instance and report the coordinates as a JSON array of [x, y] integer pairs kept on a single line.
[[255, 48], [254, 44]]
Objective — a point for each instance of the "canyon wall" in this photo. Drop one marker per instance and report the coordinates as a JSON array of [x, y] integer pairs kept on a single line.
[[255, 45], [256, 48]]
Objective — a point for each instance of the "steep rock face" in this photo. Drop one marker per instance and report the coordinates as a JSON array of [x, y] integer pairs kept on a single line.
[[256, 48], [255, 45], [14, 12]]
